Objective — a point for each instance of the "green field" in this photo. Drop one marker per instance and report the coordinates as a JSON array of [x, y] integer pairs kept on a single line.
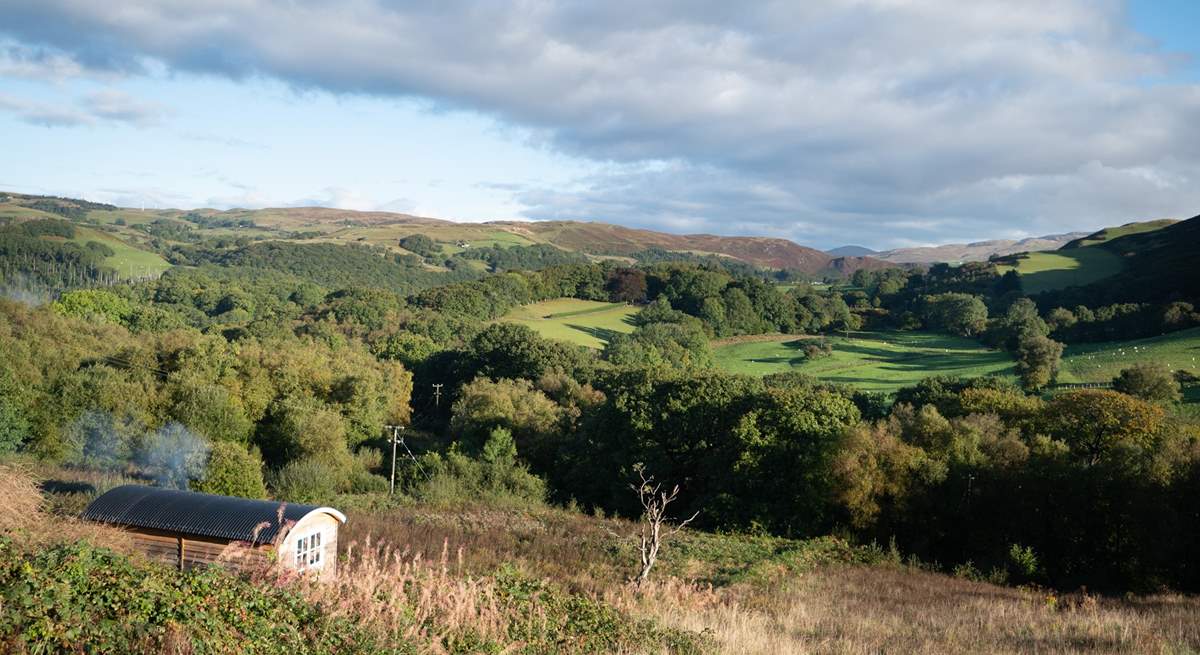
[[1101, 362], [1110, 233], [1058, 269], [874, 361], [128, 261], [585, 322]]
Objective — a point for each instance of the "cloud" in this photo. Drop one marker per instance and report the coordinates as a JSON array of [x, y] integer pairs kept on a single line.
[[120, 107], [23, 62], [251, 197], [822, 118], [41, 114], [100, 106]]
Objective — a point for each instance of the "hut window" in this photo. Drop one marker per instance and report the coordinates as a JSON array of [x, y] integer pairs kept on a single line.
[[308, 551]]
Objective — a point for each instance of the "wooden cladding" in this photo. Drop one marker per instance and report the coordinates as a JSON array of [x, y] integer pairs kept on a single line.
[[186, 553]]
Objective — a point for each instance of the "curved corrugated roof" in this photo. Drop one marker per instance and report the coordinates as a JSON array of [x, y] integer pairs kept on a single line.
[[204, 515]]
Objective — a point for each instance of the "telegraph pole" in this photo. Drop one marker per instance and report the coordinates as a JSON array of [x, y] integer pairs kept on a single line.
[[437, 394], [395, 439]]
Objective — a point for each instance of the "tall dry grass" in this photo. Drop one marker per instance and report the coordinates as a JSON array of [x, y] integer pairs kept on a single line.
[[877, 609], [400, 593], [23, 515]]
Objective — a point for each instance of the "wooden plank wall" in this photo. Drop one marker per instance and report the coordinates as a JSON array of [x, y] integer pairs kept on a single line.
[[166, 548]]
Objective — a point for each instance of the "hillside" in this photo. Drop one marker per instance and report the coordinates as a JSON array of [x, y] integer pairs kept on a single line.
[[326, 225], [978, 251], [1109, 233], [851, 251], [606, 239], [538, 579], [1152, 261]]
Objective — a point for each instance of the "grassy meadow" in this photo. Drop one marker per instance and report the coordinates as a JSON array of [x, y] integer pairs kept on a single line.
[[128, 261], [1101, 362], [874, 361], [1058, 269], [585, 322]]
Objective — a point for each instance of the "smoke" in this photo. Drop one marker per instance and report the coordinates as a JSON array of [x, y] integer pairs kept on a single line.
[[20, 288], [174, 456], [102, 441]]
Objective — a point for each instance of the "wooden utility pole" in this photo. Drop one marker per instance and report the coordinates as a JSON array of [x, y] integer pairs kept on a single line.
[[437, 394], [396, 440]]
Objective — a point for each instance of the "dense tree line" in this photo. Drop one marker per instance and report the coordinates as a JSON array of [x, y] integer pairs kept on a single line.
[[88, 391], [29, 259]]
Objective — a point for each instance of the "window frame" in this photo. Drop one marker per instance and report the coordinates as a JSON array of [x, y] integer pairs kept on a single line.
[[309, 553]]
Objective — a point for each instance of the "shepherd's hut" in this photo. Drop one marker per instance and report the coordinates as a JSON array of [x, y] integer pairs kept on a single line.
[[186, 529]]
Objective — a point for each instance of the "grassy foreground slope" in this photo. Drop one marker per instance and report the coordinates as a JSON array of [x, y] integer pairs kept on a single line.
[[760, 594], [585, 322], [873, 361]]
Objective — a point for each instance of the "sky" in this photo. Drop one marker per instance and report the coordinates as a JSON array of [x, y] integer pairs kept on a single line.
[[884, 123]]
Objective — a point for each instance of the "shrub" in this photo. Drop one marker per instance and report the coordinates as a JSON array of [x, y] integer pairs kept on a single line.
[[79, 598], [495, 476], [306, 481], [1023, 562], [1151, 381], [233, 471], [817, 348]]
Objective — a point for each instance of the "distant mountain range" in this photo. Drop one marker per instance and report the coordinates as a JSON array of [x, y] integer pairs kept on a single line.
[[978, 251]]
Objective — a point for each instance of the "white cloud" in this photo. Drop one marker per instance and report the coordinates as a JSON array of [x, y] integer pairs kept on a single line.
[[927, 120]]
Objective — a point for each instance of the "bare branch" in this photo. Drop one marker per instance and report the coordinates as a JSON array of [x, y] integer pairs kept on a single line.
[[654, 501]]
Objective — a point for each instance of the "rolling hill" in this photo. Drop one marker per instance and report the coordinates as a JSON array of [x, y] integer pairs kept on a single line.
[[1151, 261], [851, 251], [327, 225], [978, 251]]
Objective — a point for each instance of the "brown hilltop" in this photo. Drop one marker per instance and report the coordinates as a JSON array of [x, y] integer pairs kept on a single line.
[[608, 239]]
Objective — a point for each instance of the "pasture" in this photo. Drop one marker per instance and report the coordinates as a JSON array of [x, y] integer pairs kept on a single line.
[[873, 361], [1101, 362], [127, 261], [1058, 269], [585, 322]]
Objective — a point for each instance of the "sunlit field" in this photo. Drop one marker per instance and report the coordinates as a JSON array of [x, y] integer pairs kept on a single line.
[[585, 322], [1058, 269], [874, 361]]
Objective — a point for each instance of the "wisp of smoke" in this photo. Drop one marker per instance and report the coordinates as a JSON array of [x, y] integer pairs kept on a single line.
[[174, 455], [19, 288]]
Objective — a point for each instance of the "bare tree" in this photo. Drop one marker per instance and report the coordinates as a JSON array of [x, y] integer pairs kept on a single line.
[[654, 515]]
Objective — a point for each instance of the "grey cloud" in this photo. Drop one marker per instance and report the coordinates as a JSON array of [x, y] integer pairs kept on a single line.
[[111, 106], [912, 120], [41, 114], [120, 107]]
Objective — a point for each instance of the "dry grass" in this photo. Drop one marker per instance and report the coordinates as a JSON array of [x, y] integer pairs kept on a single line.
[[23, 515], [582, 553], [401, 594], [758, 596], [891, 609], [828, 609]]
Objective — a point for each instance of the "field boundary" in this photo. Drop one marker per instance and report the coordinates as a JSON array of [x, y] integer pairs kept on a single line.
[[759, 338]]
